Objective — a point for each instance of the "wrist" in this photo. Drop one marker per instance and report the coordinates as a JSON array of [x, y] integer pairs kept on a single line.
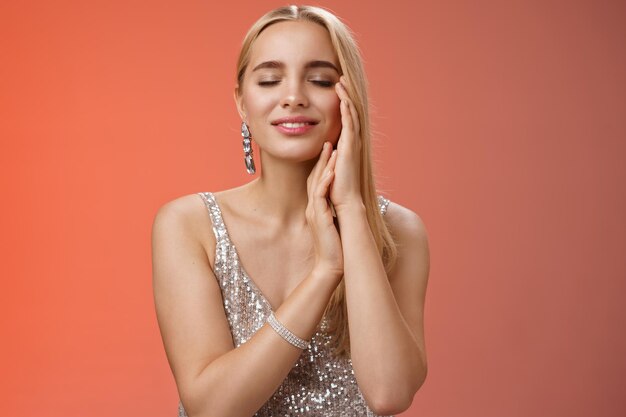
[[353, 208], [331, 276]]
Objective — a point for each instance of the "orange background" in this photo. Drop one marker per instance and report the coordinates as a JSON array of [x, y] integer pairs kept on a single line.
[[503, 124]]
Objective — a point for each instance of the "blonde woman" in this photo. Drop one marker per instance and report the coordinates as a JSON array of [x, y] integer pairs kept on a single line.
[[300, 292]]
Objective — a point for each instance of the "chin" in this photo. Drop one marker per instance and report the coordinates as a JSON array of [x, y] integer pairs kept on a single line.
[[297, 149]]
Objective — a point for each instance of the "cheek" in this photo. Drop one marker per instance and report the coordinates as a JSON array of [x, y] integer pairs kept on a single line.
[[257, 104], [332, 110], [259, 101]]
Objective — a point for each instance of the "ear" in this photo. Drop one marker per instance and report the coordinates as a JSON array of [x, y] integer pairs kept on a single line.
[[239, 102]]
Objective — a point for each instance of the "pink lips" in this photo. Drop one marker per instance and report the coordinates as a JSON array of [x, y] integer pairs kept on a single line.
[[299, 130], [294, 130]]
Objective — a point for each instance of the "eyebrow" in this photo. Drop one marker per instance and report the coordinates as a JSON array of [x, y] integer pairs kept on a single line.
[[310, 64]]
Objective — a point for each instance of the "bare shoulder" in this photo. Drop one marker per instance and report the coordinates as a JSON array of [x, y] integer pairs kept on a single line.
[[186, 215], [405, 225], [183, 211], [411, 237]]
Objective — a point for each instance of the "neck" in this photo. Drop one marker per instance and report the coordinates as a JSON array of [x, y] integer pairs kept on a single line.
[[281, 190]]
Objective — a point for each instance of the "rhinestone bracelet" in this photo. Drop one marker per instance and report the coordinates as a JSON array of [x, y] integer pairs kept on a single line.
[[285, 333]]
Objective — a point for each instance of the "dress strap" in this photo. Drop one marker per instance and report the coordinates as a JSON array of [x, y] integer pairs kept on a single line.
[[219, 229], [382, 204]]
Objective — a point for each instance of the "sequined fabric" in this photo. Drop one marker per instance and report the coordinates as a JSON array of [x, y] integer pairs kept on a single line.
[[318, 384]]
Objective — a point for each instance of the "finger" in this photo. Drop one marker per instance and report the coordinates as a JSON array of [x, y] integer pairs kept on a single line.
[[341, 91], [330, 166], [346, 117], [344, 99], [328, 175], [313, 177], [321, 189], [321, 204], [324, 183], [313, 181], [355, 119], [343, 94], [350, 105], [322, 161]]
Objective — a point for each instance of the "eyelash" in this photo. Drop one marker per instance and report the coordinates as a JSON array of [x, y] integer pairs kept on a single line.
[[326, 84]]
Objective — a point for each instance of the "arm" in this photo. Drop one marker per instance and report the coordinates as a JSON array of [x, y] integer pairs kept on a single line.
[[214, 378], [386, 314]]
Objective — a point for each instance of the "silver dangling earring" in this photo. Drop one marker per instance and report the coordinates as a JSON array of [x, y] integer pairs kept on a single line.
[[247, 148]]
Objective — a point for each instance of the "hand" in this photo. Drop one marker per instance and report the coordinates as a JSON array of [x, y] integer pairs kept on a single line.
[[326, 240], [346, 187]]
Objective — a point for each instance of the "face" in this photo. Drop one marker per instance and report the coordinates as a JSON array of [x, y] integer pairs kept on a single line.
[[292, 72]]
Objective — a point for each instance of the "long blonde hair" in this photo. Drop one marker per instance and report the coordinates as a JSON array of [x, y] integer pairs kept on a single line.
[[351, 65]]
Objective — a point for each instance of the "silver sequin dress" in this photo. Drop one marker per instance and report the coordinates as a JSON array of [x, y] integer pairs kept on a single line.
[[319, 384]]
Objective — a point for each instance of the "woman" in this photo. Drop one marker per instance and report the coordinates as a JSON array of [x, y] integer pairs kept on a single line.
[[326, 319]]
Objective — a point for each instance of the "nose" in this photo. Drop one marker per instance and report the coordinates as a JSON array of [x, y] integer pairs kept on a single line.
[[294, 95]]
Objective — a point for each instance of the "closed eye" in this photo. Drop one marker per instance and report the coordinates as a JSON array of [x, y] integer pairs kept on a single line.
[[318, 82], [324, 83]]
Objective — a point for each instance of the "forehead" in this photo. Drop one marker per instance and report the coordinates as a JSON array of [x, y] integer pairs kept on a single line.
[[294, 43]]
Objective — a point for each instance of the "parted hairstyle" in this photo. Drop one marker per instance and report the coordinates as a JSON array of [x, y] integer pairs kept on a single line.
[[351, 66]]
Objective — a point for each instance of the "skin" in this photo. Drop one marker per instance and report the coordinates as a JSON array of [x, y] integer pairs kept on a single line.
[[290, 162], [277, 214]]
